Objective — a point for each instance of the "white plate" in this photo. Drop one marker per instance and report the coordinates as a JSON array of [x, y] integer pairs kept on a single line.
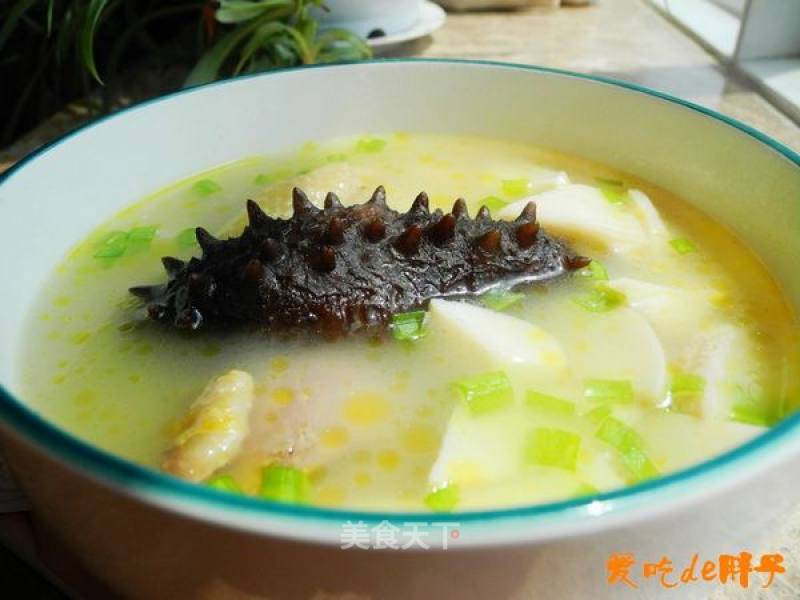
[[431, 18]]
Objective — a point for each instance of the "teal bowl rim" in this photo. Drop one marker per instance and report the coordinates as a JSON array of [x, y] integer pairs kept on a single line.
[[98, 462]]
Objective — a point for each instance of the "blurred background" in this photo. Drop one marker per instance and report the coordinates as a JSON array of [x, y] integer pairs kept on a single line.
[[63, 62]]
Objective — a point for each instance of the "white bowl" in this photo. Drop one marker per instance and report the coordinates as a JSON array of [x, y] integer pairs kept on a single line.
[[365, 16], [147, 535]]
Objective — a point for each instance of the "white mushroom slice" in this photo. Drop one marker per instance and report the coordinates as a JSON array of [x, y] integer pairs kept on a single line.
[[480, 450], [214, 428], [581, 213], [620, 344], [675, 440], [647, 213], [677, 314], [726, 360], [490, 448], [494, 338]]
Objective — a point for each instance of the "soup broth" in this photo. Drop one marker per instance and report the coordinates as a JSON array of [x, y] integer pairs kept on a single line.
[[672, 345]]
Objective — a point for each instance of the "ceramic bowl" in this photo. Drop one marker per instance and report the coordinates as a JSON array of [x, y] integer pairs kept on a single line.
[[367, 16], [146, 535]]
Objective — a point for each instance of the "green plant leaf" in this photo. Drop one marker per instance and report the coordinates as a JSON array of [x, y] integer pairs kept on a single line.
[[208, 67], [13, 18], [238, 11], [92, 17]]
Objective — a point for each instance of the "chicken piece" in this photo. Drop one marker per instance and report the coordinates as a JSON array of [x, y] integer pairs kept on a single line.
[[214, 428]]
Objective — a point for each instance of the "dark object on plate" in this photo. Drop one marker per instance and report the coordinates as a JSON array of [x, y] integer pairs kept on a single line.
[[340, 269]]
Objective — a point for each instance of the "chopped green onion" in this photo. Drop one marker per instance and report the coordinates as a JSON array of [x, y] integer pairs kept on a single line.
[[608, 181], [486, 393], [617, 434], [586, 489], [599, 414], [549, 404], [627, 442], [284, 484], [206, 187], [443, 499], [753, 414], [601, 298], [685, 393], [687, 383], [493, 203], [115, 238], [370, 144], [614, 196], [552, 448], [683, 246], [609, 391], [142, 235], [113, 245], [263, 179], [187, 237], [500, 299], [639, 464], [224, 483], [515, 188], [594, 270], [409, 326]]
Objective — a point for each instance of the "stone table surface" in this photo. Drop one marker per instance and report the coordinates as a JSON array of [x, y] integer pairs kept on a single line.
[[624, 39]]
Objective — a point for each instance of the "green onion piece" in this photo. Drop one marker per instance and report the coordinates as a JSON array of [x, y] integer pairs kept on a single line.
[[552, 448], [594, 270], [284, 484], [598, 414], [683, 246], [224, 483], [627, 442], [617, 434], [409, 326], [493, 203], [500, 299], [370, 144], [549, 404], [608, 181], [639, 464], [601, 298], [486, 393], [263, 179], [114, 238], [443, 499], [113, 245], [687, 383], [586, 489], [685, 391], [206, 187], [609, 391], [515, 188], [753, 414], [614, 196], [187, 237], [142, 235]]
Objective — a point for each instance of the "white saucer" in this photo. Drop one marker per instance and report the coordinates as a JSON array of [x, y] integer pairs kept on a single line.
[[431, 18]]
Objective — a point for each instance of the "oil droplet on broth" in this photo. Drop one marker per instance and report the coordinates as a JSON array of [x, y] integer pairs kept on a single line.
[[367, 408]]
